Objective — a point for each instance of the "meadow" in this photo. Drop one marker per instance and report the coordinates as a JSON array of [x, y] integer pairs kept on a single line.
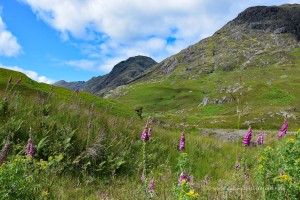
[[62, 144]]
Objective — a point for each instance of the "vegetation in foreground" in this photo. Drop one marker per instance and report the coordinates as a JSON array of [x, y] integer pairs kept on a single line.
[[59, 147]]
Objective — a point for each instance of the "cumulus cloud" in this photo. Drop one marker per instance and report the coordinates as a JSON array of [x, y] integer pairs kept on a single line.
[[123, 28], [31, 74], [8, 42]]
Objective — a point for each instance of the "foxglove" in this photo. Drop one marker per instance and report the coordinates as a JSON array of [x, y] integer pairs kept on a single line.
[[9, 80], [283, 129], [182, 140], [145, 136], [237, 166], [260, 139], [247, 138], [151, 185], [30, 148]]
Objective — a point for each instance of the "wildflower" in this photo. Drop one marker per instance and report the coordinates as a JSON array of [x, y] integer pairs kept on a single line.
[[181, 178], [30, 147], [77, 91], [291, 140], [283, 129], [247, 138], [145, 134], [261, 167], [89, 125], [19, 80], [4, 152], [93, 106], [151, 185], [192, 194], [182, 140], [260, 139], [285, 178], [237, 166], [281, 172], [261, 158], [51, 89], [9, 80]]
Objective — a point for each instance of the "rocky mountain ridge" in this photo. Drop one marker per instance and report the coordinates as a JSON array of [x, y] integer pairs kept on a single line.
[[121, 74]]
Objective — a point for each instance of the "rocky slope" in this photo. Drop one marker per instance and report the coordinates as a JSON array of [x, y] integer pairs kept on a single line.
[[259, 36], [252, 63], [121, 74]]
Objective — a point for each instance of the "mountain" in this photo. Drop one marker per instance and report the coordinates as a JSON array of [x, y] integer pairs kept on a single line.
[[252, 63], [121, 74]]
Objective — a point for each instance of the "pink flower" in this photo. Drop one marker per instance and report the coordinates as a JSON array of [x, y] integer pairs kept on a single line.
[[30, 148], [283, 129], [9, 80], [247, 138], [181, 178], [151, 185], [182, 140], [260, 139], [144, 136], [237, 166]]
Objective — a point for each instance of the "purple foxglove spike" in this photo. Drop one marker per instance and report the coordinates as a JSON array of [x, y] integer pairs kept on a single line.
[[247, 138], [9, 80], [30, 148], [144, 136], [283, 129], [19, 80], [260, 139], [151, 185], [237, 166], [182, 141], [281, 172], [181, 178], [188, 178]]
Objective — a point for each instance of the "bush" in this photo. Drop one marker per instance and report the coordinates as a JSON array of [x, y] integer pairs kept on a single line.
[[278, 170]]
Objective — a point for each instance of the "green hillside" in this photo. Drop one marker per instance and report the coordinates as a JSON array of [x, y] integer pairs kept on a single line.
[[254, 69]]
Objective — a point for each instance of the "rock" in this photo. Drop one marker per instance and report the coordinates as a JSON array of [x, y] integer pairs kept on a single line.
[[204, 102]]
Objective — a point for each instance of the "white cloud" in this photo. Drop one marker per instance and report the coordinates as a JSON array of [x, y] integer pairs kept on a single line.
[[31, 74], [82, 64], [123, 28], [8, 42]]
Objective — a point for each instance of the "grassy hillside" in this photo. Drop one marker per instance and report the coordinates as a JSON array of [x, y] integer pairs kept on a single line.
[[86, 152], [29, 87], [254, 68]]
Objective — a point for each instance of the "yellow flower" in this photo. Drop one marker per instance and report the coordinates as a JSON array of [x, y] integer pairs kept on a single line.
[[261, 167], [285, 178], [261, 158], [192, 193], [291, 140], [45, 193]]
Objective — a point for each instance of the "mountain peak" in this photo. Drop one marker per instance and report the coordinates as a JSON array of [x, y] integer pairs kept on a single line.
[[121, 74], [271, 19]]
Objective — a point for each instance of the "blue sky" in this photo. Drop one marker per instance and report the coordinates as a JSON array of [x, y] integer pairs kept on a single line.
[[51, 40]]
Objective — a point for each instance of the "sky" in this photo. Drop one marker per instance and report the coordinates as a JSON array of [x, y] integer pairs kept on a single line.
[[72, 40]]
